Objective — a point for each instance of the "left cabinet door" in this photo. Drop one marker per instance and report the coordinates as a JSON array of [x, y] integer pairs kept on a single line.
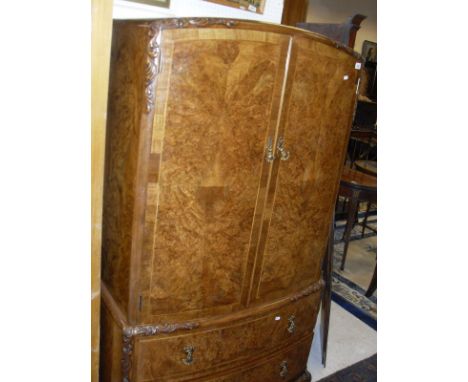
[[216, 104]]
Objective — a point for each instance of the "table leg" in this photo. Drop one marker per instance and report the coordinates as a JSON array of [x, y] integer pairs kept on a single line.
[[326, 297], [373, 283], [365, 218]]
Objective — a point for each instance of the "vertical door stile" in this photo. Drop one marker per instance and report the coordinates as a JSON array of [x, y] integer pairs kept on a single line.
[[267, 170], [274, 170]]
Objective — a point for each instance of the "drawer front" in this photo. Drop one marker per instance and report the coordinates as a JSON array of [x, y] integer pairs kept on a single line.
[[197, 353], [287, 366]]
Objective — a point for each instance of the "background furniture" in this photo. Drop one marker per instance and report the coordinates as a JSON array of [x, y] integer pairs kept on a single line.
[[294, 11], [224, 147], [327, 270], [344, 33], [368, 167], [373, 284], [357, 187]]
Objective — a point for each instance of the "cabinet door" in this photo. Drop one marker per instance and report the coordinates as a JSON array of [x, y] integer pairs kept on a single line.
[[217, 101], [319, 104]]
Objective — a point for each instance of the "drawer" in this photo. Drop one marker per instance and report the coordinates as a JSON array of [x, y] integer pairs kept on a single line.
[[288, 366], [197, 353]]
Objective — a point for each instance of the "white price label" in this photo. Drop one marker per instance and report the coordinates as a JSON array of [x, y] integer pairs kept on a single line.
[[357, 66], [252, 8]]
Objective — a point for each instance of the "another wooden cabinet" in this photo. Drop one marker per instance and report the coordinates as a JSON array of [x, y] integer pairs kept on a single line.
[[224, 147]]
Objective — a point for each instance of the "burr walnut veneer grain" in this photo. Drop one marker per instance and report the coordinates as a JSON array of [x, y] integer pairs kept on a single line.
[[225, 144]]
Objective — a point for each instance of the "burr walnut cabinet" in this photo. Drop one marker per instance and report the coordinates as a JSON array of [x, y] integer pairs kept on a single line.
[[225, 142]]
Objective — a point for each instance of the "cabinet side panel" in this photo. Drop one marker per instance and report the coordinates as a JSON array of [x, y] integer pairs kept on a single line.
[[125, 108], [315, 133], [111, 348]]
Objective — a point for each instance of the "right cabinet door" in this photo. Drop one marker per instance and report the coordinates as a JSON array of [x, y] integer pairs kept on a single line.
[[318, 107]]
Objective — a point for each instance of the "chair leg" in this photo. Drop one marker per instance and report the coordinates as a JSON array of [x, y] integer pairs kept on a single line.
[[353, 206], [365, 219], [373, 283]]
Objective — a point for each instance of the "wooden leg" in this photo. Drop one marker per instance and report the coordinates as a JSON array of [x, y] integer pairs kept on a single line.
[[352, 209], [326, 297], [373, 283], [365, 219]]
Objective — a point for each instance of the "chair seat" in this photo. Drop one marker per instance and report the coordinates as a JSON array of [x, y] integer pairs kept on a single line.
[[367, 166]]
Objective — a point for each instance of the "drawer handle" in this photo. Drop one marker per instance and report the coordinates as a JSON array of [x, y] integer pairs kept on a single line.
[[291, 324], [269, 156], [188, 360], [283, 153], [284, 369]]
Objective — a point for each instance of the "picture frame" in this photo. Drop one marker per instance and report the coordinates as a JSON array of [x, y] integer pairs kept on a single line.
[[256, 6], [369, 51], [156, 3]]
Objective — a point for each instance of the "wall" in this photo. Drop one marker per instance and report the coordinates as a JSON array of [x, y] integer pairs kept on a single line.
[[338, 11], [182, 8]]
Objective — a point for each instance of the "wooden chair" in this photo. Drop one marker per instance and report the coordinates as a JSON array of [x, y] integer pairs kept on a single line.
[[357, 187]]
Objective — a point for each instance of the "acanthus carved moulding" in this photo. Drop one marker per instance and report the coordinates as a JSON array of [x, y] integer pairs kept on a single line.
[[146, 330], [309, 290], [153, 62]]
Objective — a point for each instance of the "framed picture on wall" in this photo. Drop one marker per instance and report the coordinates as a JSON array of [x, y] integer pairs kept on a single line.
[[369, 51], [157, 3], [257, 6]]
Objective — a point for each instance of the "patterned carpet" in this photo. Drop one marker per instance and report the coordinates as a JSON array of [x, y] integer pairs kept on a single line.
[[360, 263], [363, 371]]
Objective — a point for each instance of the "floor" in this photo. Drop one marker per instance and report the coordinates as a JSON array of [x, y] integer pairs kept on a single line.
[[361, 258], [360, 261], [350, 340]]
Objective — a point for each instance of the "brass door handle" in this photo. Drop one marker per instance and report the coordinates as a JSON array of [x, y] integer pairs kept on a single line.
[[291, 324], [283, 153], [284, 369], [269, 156], [188, 360]]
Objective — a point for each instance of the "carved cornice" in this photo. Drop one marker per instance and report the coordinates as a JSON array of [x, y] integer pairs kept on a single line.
[[153, 61], [309, 290], [145, 330], [152, 67]]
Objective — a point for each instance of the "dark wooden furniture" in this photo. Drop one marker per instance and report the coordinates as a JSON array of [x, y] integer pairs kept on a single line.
[[327, 269], [344, 33], [225, 143], [368, 167], [357, 187], [373, 284], [362, 146], [294, 11], [365, 118]]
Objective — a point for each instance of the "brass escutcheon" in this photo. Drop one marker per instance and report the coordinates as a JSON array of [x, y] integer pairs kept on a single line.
[[269, 156], [284, 369], [283, 153], [188, 360], [291, 324]]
